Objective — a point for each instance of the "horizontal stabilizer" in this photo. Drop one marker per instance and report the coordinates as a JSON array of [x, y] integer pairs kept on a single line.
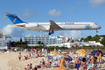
[[10, 14], [6, 17]]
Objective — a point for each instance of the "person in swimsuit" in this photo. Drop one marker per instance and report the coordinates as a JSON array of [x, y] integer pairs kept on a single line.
[[42, 63], [25, 58], [30, 65], [29, 55], [94, 62], [77, 62], [19, 56], [83, 64], [89, 60], [35, 68], [37, 55]]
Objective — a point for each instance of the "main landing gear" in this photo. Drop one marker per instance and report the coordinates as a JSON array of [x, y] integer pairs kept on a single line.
[[51, 32]]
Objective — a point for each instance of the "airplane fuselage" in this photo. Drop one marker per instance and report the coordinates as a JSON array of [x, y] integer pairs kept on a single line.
[[64, 26], [51, 26]]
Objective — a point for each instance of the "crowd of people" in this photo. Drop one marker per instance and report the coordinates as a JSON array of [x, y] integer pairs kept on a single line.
[[42, 64], [85, 61], [82, 62], [78, 61], [35, 53]]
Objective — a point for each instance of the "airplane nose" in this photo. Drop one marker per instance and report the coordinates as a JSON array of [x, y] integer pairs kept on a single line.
[[99, 27]]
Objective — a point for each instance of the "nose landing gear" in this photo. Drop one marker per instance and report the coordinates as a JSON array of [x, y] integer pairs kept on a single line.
[[96, 31]]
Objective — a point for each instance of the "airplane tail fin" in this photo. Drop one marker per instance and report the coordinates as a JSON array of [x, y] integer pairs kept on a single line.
[[13, 18]]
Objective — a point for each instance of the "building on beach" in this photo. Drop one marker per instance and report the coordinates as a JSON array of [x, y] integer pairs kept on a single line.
[[5, 41], [47, 40], [57, 41], [81, 44]]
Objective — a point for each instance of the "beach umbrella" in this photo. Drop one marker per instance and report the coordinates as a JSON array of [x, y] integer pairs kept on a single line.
[[54, 52], [81, 50], [62, 54], [62, 65], [57, 53], [84, 53], [100, 57], [63, 62], [54, 49], [60, 69]]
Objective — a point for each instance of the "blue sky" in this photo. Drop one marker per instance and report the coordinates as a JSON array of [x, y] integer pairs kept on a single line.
[[56, 10]]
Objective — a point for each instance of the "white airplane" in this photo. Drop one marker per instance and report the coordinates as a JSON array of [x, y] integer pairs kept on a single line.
[[51, 26]]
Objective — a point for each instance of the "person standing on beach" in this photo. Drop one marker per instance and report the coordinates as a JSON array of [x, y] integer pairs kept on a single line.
[[42, 50], [71, 53], [19, 56], [83, 64], [15, 49], [40, 53], [59, 50], [97, 53], [94, 62], [48, 50], [77, 62]]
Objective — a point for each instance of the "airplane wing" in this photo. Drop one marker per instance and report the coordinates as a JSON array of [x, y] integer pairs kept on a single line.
[[54, 25]]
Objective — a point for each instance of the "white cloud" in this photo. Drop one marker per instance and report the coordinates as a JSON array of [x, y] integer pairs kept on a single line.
[[72, 34], [79, 2], [11, 31], [75, 34], [28, 14], [97, 3], [55, 13], [72, 8]]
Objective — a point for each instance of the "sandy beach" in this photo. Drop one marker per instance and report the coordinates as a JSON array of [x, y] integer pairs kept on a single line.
[[3, 63], [10, 61]]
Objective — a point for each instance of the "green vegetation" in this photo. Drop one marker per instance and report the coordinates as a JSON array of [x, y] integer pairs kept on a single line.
[[19, 44], [88, 47], [40, 43], [94, 38], [72, 41], [20, 39], [90, 38]]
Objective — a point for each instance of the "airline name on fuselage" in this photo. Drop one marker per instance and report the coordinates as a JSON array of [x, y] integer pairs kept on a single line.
[[69, 23]]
